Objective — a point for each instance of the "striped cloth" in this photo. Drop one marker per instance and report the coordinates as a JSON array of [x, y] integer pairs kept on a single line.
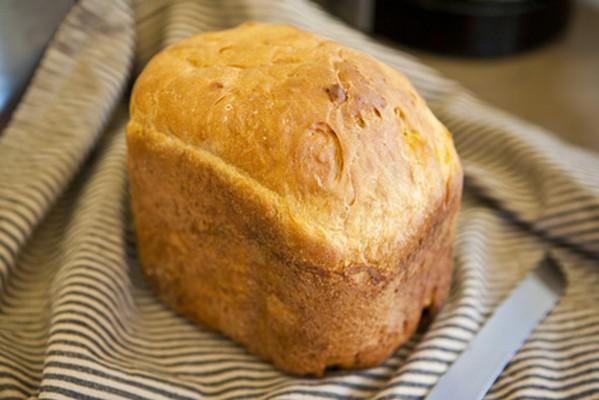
[[78, 321]]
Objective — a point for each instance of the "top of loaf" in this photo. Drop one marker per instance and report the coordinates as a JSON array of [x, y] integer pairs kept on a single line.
[[341, 143]]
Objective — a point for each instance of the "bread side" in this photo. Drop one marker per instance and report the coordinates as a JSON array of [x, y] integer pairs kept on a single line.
[[208, 245]]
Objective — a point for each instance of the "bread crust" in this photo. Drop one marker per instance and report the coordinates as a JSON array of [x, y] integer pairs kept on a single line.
[[287, 263]]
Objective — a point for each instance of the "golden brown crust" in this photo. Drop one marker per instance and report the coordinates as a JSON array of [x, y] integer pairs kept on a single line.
[[296, 195], [346, 150]]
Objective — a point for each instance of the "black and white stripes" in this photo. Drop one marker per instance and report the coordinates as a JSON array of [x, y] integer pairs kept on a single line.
[[78, 321]]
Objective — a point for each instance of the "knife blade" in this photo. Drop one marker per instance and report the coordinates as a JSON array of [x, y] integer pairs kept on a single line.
[[475, 370]]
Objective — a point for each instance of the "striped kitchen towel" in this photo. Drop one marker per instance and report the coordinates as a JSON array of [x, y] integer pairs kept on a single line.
[[78, 321]]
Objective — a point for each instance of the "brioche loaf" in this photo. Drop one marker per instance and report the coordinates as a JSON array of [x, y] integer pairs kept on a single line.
[[294, 194]]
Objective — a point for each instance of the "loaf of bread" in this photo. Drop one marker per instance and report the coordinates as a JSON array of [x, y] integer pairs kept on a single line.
[[296, 195]]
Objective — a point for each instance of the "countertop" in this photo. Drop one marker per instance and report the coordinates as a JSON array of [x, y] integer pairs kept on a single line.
[[556, 86]]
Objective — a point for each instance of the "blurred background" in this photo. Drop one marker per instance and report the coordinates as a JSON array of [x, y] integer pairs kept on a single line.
[[538, 59]]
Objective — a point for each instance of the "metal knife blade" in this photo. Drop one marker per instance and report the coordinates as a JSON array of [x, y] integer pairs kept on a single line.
[[475, 370]]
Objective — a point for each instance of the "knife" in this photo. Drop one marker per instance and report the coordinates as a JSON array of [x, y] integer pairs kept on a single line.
[[475, 370]]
